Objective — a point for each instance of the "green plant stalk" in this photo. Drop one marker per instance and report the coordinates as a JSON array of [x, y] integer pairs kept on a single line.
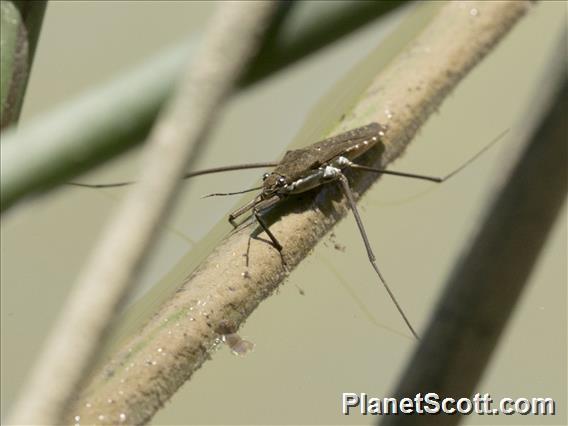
[[19, 31], [113, 118]]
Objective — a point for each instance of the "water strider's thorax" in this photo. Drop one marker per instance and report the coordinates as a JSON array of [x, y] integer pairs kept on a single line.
[[303, 169]]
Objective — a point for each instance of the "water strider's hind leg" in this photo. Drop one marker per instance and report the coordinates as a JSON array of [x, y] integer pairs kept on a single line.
[[436, 179], [351, 200]]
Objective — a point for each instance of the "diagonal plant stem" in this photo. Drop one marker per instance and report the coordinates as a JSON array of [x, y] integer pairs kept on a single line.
[[233, 37], [21, 25], [316, 25], [152, 365], [114, 117], [483, 289]]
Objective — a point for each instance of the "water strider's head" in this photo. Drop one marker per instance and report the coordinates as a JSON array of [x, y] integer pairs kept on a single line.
[[272, 183]]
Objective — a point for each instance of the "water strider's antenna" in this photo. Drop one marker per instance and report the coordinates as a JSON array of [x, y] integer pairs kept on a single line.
[[186, 176], [221, 194]]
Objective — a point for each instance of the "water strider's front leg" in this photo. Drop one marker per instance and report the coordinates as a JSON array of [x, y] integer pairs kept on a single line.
[[256, 205], [242, 210], [265, 228]]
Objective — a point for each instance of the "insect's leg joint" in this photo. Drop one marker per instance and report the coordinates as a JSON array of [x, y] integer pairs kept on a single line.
[[342, 162], [331, 173], [232, 221]]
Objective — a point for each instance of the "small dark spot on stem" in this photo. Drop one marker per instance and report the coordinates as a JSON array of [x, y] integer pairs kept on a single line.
[[226, 327]]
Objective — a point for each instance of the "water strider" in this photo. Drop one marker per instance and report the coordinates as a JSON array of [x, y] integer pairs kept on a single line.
[[301, 170]]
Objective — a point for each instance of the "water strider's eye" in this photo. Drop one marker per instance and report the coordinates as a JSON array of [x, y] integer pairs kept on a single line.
[[281, 181], [265, 176]]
